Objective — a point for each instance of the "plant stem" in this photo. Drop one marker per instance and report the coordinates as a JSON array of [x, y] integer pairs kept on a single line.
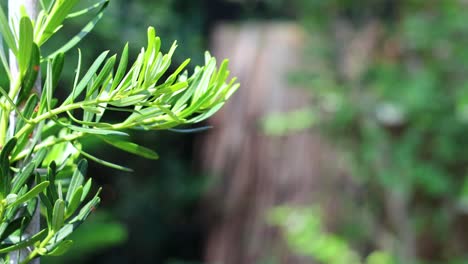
[[6, 112], [66, 138], [50, 114], [35, 252]]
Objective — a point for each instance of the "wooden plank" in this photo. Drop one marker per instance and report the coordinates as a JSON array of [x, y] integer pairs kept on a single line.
[[255, 171]]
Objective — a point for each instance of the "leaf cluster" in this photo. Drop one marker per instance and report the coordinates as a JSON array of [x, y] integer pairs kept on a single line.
[[41, 163]]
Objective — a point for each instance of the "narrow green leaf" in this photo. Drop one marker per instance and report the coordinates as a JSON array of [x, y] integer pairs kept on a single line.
[[32, 72], [60, 248], [78, 37], [170, 91], [31, 194], [5, 167], [25, 243], [151, 33], [137, 68], [87, 10], [31, 208], [95, 131], [75, 201], [87, 117], [103, 75], [206, 114], [132, 148], [58, 215], [39, 21], [203, 85], [105, 163], [233, 86], [77, 178], [28, 112], [154, 67], [171, 114], [38, 157], [25, 44], [67, 229], [222, 92], [165, 64], [121, 69], [140, 116], [10, 198], [48, 205], [51, 189], [6, 33], [193, 84], [87, 208], [86, 189], [222, 75], [92, 109], [171, 79], [6, 151], [43, 5], [12, 104], [78, 89], [20, 179], [77, 73], [4, 60], [54, 20], [57, 67], [196, 105], [149, 55], [163, 126], [10, 227], [48, 86], [130, 100]]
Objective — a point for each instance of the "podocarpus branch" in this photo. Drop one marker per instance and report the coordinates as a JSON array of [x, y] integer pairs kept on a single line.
[[40, 136], [14, 13]]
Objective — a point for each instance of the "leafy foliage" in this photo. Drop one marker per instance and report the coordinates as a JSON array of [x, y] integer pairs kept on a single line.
[[402, 123], [40, 160], [305, 234]]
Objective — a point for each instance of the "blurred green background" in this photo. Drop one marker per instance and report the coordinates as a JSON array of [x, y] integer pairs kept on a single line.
[[400, 120]]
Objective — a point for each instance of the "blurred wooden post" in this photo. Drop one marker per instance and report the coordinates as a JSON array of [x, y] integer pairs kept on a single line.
[[254, 171]]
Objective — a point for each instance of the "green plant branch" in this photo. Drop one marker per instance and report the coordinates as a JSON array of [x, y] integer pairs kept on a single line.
[[139, 89], [6, 111], [49, 143], [39, 250], [24, 243], [12, 104]]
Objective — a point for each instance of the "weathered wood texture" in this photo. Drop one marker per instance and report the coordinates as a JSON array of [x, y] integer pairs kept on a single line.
[[255, 172]]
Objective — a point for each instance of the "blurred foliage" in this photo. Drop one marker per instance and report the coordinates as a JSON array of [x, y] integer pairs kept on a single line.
[[403, 123], [286, 123], [305, 234]]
